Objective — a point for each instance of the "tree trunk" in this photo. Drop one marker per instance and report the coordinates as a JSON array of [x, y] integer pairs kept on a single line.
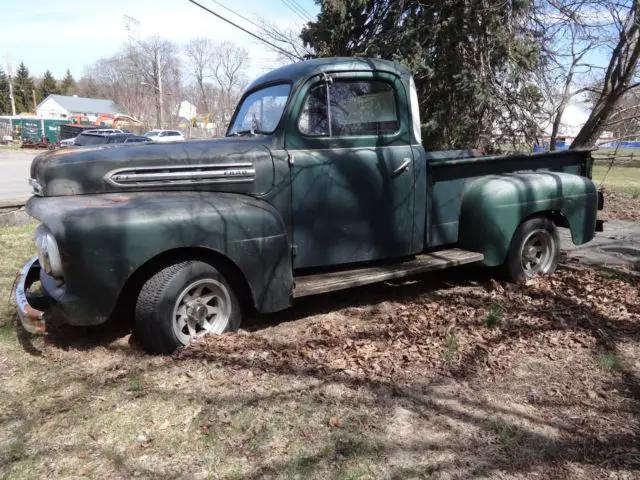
[[555, 127], [622, 67]]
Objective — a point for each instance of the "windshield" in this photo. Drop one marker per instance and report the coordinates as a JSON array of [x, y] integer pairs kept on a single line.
[[261, 111], [152, 133]]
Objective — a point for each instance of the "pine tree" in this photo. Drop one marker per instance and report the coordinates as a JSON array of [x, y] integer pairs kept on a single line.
[[469, 59], [68, 85], [5, 102], [23, 89], [47, 86]]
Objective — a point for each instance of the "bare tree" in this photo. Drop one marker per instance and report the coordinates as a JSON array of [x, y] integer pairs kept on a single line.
[[624, 122], [201, 55], [290, 46], [620, 75], [219, 71], [110, 78], [154, 63], [146, 74], [567, 32], [228, 72]]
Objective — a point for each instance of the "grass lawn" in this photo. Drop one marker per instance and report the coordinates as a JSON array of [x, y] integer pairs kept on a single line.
[[618, 179], [450, 376]]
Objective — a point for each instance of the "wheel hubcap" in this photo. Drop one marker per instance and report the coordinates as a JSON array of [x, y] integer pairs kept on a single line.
[[202, 307], [538, 251]]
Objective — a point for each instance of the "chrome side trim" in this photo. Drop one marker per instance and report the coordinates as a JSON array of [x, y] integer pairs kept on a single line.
[[181, 175]]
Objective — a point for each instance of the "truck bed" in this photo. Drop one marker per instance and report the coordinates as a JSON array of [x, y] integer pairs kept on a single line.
[[449, 172]]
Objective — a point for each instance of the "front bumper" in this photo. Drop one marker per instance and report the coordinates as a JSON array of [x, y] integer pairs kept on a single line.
[[32, 319]]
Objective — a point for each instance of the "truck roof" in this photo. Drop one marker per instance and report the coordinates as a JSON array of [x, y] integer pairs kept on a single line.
[[308, 68]]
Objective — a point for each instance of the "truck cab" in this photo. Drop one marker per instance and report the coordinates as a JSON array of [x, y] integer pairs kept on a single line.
[[321, 183]]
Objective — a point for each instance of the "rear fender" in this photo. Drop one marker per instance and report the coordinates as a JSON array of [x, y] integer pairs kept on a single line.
[[494, 206]]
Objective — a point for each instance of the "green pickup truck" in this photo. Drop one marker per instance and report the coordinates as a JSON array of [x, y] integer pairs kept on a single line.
[[321, 184]]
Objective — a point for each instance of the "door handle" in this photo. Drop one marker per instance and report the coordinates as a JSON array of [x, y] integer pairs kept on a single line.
[[403, 167]]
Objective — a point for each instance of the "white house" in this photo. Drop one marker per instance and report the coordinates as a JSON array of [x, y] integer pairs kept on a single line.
[[186, 110], [575, 115], [573, 118], [61, 106]]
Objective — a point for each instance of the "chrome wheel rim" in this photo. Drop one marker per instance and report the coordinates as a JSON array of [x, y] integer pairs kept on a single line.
[[537, 253], [202, 307]]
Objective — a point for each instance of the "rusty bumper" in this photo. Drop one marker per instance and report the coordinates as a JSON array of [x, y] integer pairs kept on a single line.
[[32, 319]]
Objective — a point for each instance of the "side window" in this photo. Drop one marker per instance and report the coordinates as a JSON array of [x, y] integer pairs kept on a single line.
[[313, 118], [356, 108], [164, 134]]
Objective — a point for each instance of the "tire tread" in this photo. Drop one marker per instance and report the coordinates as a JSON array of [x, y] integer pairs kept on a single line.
[[152, 331]]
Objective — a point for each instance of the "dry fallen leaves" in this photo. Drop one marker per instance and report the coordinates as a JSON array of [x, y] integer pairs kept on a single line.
[[441, 331], [335, 422]]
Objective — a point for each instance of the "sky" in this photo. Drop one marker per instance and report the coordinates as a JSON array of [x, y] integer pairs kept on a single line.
[[59, 34]]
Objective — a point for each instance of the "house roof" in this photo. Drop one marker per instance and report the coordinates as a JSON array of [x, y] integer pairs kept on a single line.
[[84, 105]]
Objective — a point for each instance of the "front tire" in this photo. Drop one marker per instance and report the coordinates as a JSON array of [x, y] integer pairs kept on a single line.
[[183, 302], [534, 250]]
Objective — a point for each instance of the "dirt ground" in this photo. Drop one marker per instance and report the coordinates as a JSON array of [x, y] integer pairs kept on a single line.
[[621, 206], [454, 375]]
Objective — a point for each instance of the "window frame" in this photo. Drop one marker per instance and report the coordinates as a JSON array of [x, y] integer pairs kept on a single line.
[[340, 79], [274, 83]]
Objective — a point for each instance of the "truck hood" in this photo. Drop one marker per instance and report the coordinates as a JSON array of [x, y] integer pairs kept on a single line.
[[242, 165]]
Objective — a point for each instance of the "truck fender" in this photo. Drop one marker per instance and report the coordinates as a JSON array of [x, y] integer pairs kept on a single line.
[[493, 206], [108, 238]]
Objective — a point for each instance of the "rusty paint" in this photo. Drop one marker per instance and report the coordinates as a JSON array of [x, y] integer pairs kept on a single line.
[[32, 319]]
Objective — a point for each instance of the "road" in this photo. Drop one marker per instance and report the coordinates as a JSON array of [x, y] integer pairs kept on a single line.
[[619, 244], [14, 173]]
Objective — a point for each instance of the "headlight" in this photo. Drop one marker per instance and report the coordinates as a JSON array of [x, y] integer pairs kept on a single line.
[[48, 252]]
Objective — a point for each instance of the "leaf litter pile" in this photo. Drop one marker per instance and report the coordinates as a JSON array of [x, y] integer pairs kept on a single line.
[[550, 371], [621, 206]]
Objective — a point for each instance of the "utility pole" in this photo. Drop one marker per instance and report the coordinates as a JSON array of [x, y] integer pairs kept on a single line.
[[10, 75], [157, 73], [33, 97], [160, 99]]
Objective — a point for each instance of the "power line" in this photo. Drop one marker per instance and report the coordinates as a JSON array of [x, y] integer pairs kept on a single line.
[[245, 30], [261, 28], [266, 28], [302, 9], [237, 14], [293, 9]]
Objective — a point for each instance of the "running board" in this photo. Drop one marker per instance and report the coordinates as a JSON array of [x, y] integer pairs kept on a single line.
[[355, 277]]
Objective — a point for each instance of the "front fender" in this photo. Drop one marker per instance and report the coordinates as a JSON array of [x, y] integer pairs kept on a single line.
[[105, 238], [494, 206]]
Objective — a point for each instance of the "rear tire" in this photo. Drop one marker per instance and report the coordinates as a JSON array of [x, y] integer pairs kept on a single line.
[[534, 250], [182, 302]]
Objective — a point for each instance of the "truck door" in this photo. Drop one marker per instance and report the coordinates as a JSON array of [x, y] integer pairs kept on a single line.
[[352, 170]]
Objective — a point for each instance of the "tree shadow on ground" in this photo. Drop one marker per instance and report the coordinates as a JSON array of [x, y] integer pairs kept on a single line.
[[500, 437]]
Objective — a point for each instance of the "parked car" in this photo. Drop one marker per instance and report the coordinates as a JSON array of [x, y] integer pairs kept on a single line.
[[67, 142], [322, 184], [165, 136], [105, 138]]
